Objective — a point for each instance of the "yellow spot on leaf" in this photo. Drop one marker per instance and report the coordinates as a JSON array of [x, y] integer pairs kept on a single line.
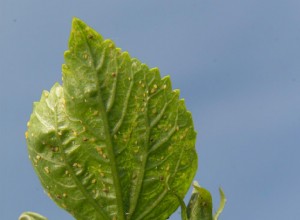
[[47, 170]]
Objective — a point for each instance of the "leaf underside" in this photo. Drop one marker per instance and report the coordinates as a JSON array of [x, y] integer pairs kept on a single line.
[[108, 141]]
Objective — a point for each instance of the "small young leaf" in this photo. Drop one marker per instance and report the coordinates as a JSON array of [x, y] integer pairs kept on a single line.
[[200, 204], [105, 142]]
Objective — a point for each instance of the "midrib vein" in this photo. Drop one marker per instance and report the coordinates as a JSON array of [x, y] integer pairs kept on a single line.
[[112, 159], [108, 141]]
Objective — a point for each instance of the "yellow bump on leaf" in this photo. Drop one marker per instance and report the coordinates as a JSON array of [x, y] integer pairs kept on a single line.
[[47, 170]]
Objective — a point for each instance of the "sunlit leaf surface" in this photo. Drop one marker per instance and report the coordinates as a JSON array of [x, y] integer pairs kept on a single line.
[[107, 143]]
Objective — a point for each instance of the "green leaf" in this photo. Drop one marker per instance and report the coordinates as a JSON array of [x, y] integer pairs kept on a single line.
[[31, 216], [222, 204], [105, 142], [200, 204]]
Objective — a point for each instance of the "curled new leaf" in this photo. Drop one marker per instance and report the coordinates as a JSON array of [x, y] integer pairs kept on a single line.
[[31, 216], [222, 204], [105, 143]]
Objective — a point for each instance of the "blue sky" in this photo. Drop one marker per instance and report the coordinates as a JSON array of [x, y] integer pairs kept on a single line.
[[235, 62]]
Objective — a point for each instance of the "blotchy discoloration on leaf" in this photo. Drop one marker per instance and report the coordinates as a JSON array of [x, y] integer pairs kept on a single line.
[[108, 141]]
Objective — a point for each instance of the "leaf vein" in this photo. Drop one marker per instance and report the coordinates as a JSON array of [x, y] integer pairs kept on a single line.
[[124, 110]]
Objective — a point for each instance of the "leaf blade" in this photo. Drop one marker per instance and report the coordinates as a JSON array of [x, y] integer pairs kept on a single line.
[[119, 130]]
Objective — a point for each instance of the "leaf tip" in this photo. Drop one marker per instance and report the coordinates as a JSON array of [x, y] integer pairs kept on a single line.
[[222, 194], [76, 21], [78, 26]]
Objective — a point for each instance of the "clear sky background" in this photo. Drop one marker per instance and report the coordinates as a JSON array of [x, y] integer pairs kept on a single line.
[[235, 62]]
